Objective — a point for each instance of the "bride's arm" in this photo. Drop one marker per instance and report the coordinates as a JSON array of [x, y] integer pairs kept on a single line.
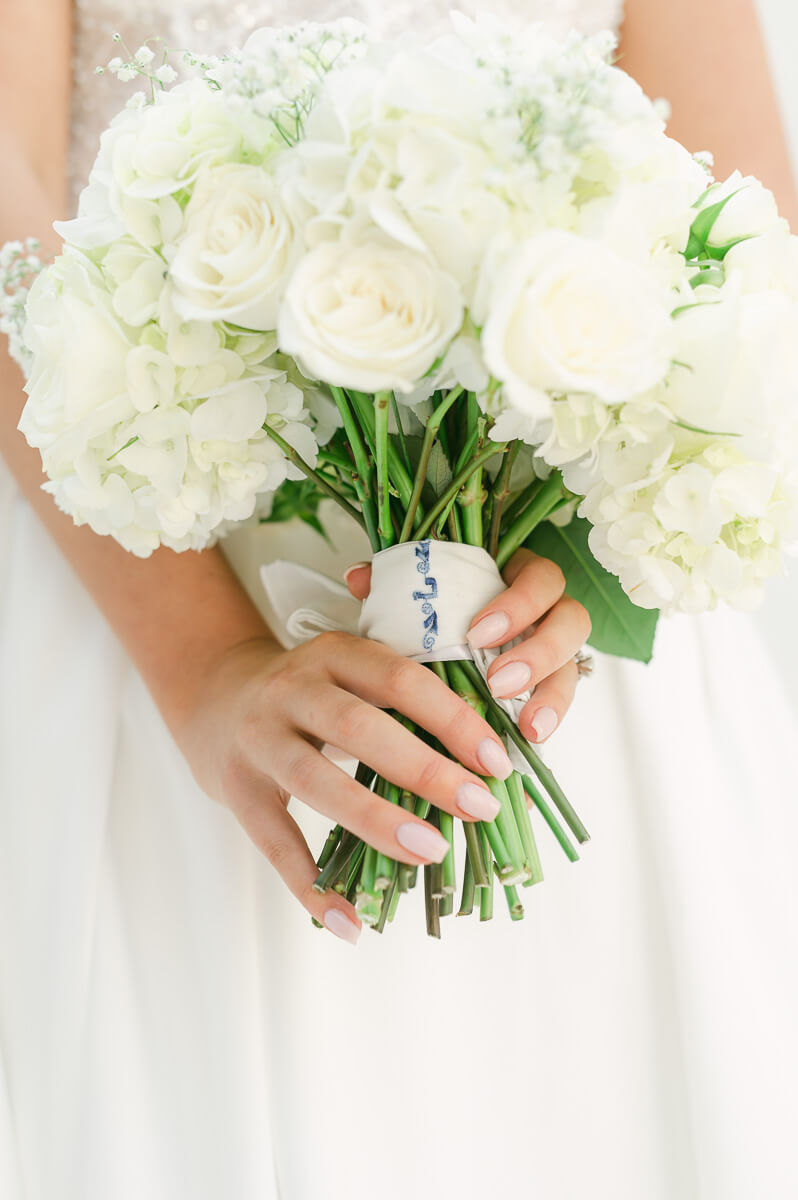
[[708, 59], [146, 602]]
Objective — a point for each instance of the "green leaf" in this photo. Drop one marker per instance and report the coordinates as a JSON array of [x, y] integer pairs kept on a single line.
[[439, 472], [701, 228], [297, 498], [619, 626]]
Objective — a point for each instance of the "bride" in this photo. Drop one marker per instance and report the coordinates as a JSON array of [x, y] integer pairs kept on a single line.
[[171, 1025]]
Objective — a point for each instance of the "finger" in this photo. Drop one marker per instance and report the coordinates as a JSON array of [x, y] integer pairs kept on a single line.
[[535, 584], [302, 771], [556, 640], [379, 676], [264, 817], [383, 743], [358, 579], [541, 715]]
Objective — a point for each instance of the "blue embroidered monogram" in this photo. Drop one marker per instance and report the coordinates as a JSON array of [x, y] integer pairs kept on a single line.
[[424, 595], [431, 584]]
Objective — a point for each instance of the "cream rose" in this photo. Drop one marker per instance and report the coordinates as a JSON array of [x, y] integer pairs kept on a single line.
[[749, 209], [237, 249], [566, 314], [370, 315]]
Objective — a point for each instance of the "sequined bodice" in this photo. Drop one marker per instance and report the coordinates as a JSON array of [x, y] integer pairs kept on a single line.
[[213, 26]]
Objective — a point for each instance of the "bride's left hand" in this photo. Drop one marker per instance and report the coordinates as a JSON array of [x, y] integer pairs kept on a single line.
[[544, 660]]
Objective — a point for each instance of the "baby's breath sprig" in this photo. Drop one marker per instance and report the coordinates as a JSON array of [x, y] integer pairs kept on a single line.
[[19, 265], [140, 65]]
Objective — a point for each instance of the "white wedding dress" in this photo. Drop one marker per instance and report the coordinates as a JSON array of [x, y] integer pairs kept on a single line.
[[173, 1027]]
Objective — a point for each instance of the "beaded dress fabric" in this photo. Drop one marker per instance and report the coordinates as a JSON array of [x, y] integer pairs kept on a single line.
[[172, 1027], [214, 27]]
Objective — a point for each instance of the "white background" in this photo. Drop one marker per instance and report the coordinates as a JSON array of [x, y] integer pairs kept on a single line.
[[778, 619]]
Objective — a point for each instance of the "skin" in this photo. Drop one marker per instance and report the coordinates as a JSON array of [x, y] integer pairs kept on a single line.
[[249, 717]]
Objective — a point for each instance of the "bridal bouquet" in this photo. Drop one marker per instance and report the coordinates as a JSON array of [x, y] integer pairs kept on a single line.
[[469, 290]]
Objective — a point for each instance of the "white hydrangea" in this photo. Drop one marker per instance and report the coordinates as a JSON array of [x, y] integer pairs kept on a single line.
[[708, 525], [151, 428]]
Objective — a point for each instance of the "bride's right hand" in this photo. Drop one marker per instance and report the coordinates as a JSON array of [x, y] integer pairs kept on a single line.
[[254, 738]]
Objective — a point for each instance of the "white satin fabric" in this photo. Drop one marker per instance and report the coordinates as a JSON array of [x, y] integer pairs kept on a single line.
[[171, 1024]]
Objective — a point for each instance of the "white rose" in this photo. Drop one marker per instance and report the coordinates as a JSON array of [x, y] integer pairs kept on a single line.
[[568, 315], [369, 315], [237, 250], [749, 209], [79, 348]]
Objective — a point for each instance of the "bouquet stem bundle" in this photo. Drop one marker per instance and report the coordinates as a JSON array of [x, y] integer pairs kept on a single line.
[[400, 491]]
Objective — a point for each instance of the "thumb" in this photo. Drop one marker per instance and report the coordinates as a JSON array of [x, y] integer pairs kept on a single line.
[[358, 579]]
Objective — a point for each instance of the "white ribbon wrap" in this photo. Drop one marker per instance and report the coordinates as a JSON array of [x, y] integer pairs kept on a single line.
[[423, 598]]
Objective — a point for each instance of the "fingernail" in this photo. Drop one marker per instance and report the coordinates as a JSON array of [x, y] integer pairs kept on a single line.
[[488, 630], [477, 801], [423, 840], [510, 680], [355, 567], [494, 759], [544, 723], [339, 924]]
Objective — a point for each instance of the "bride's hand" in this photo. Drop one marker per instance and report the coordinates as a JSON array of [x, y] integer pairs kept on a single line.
[[253, 739], [544, 660]]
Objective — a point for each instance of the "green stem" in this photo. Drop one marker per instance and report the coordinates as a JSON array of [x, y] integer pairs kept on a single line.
[[515, 790], [446, 825], [469, 501], [452, 519], [337, 863], [362, 467], [467, 898], [545, 501], [431, 904], [550, 819], [430, 434], [458, 481], [295, 457], [385, 528], [525, 497], [505, 823], [536, 763], [474, 854], [486, 893], [387, 903], [514, 904], [330, 846], [368, 873], [364, 408], [400, 433], [501, 490], [385, 867]]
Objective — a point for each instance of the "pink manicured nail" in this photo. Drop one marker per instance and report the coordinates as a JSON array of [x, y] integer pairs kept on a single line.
[[488, 630], [477, 801], [354, 567], [544, 723], [339, 924], [422, 840], [510, 680], [494, 759]]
